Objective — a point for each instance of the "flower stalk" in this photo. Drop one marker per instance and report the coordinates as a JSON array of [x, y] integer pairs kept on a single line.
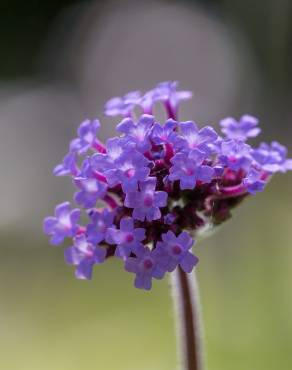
[[188, 320]]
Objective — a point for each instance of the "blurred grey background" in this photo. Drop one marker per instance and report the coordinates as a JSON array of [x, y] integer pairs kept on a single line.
[[61, 60]]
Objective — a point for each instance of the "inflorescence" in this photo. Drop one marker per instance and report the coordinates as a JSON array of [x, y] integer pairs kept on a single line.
[[147, 191]]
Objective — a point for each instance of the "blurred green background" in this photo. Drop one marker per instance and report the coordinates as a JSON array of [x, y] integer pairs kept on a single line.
[[60, 61]]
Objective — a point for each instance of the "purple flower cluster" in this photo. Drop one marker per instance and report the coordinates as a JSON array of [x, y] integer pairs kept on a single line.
[[147, 191]]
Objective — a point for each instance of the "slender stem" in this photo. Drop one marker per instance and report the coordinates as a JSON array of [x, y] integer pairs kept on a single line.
[[187, 310], [110, 201], [99, 146], [171, 113]]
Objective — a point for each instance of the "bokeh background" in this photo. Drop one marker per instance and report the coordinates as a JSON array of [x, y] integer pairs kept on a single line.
[[60, 60]]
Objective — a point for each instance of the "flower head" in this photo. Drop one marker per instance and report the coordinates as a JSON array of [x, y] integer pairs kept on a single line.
[[150, 190]]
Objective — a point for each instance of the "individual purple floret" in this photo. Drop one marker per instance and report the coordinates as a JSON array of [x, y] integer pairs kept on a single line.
[[272, 158], [84, 256], [122, 106], [68, 166], [163, 134], [204, 139], [146, 267], [167, 92], [86, 139], [188, 168], [243, 129], [63, 225], [235, 155], [254, 181], [128, 238], [101, 221], [130, 168], [115, 148], [121, 164], [146, 202], [91, 190], [147, 102], [174, 251], [137, 133], [92, 186]]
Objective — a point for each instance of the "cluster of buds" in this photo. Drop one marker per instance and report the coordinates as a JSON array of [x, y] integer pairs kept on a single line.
[[148, 191]]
